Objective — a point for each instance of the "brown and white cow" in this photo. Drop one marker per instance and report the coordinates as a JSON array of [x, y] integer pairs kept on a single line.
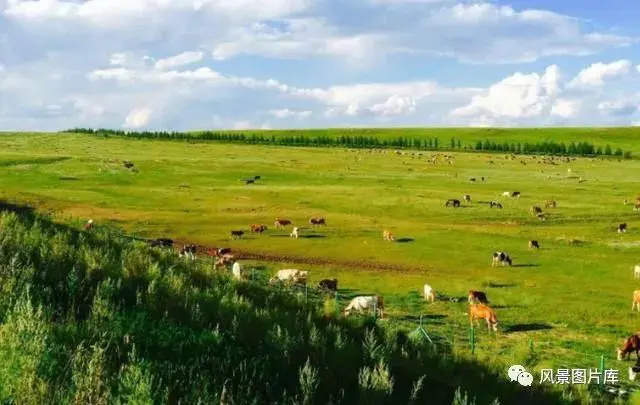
[[88, 225], [630, 345], [534, 244], [317, 221], [622, 228], [550, 204], [482, 311], [388, 235], [281, 223], [256, 228]]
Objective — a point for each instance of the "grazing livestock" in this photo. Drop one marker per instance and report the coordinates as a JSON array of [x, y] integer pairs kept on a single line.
[[452, 202], [428, 293], [128, 164], [249, 181], [224, 251], [256, 177], [515, 194], [495, 204], [295, 232], [317, 221], [501, 257], [388, 235], [281, 223], [477, 297], [535, 210], [482, 311], [625, 202], [224, 260], [330, 285], [506, 194], [636, 300], [236, 270], [541, 216], [534, 244], [630, 345], [188, 251], [473, 179], [162, 242], [636, 271], [88, 225], [622, 228], [362, 303], [466, 198], [550, 204], [636, 207], [290, 275], [236, 234], [255, 228]]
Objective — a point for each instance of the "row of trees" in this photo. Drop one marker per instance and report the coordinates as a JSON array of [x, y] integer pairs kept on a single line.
[[422, 143]]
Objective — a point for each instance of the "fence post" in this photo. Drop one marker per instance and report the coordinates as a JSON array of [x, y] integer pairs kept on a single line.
[[602, 367], [472, 339]]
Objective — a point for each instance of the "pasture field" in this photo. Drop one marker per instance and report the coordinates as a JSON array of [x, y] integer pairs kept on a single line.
[[571, 299]]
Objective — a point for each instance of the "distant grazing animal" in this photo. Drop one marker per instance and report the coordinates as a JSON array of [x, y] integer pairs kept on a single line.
[[362, 303], [295, 232], [428, 293], [161, 242], [506, 194], [535, 210], [330, 285], [188, 251], [636, 271], [255, 228], [224, 260], [495, 204], [224, 251], [290, 276], [633, 371], [550, 204], [636, 300], [256, 177], [249, 181], [88, 225], [477, 297], [501, 257], [534, 244], [128, 164], [482, 178], [237, 234], [466, 198], [622, 228], [236, 270], [317, 221], [541, 216], [452, 202], [473, 179], [515, 194], [636, 207], [388, 235], [482, 311], [625, 202], [630, 345], [281, 223]]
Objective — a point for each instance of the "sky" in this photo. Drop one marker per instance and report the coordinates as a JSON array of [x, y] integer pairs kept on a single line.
[[277, 64]]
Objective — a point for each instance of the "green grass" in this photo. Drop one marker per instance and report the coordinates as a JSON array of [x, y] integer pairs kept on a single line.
[[581, 292]]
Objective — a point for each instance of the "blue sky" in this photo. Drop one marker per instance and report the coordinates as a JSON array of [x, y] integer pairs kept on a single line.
[[195, 64]]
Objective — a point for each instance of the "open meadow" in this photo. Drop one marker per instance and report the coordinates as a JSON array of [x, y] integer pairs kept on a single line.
[[561, 306]]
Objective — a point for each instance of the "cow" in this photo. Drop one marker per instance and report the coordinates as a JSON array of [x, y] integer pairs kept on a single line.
[[223, 251], [452, 202], [622, 228], [295, 233], [88, 225], [257, 177], [515, 194], [535, 209], [506, 194], [472, 179], [501, 257], [224, 260], [534, 244], [636, 271], [161, 242], [630, 345], [466, 198], [495, 204], [482, 311], [188, 251], [330, 285], [317, 221], [362, 303], [477, 297], [482, 178], [281, 223], [636, 300], [550, 204], [236, 234], [128, 164], [428, 293], [636, 207], [236, 271], [249, 181], [388, 235], [255, 228], [290, 275], [541, 216]]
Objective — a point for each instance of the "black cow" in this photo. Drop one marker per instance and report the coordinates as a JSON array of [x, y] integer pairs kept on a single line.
[[534, 244], [249, 181], [331, 285], [477, 296], [452, 202], [622, 228], [256, 177], [495, 204], [237, 234], [162, 242]]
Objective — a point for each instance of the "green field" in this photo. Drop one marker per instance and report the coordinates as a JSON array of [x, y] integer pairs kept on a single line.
[[571, 299]]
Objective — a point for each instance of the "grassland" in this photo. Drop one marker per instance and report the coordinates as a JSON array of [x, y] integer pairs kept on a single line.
[[571, 298]]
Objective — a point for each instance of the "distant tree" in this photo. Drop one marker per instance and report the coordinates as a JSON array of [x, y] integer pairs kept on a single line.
[[479, 145], [599, 150], [627, 154], [459, 144], [607, 150], [618, 152]]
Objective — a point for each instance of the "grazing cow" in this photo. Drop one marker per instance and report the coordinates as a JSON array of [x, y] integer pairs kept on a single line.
[[636, 271], [162, 242], [128, 164], [88, 225], [506, 194], [473, 179], [330, 285], [295, 233], [281, 223], [477, 297], [236, 270], [388, 235], [428, 293], [622, 228], [255, 228], [515, 194], [452, 202], [541, 216], [482, 311], [630, 345], [236, 234], [362, 303], [188, 251], [482, 178], [466, 198], [495, 204], [223, 251], [249, 181], [550, 204], [534, 244], [224, 260], [501, 257], [625, 202], [256, 177], [636, 207], [290, 275], [535, 210], [636, 300], [317, 221]]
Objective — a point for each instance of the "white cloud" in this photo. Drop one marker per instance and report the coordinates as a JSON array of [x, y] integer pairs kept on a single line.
[[138, 118], [598, 73], [184, 58], [618, 107], [287, 113], [566, 108]]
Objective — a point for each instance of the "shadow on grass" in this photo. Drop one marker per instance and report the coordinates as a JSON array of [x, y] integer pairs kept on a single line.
[[18, 209], [68, 178], [526, 265], [416, 318], [405, 240], [507, 306], [527, 327], [312, 236], [491, 284]]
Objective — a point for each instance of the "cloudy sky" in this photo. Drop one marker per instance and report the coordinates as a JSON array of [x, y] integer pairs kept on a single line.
[[195, 64]]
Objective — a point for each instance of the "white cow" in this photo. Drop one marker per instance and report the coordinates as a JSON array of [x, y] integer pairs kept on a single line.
[[236, 270], [295, 233], [636, 271], [429, 293], [362, 303], [293, 275], [506, 194]]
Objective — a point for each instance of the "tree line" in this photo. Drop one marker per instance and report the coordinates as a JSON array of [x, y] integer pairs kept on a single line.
[[418, 143]]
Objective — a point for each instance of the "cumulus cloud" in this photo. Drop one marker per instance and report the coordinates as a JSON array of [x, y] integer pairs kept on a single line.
[[598, 73], [184, 58], [618, 107], [138, 118], [287, 113], [565, 108]]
